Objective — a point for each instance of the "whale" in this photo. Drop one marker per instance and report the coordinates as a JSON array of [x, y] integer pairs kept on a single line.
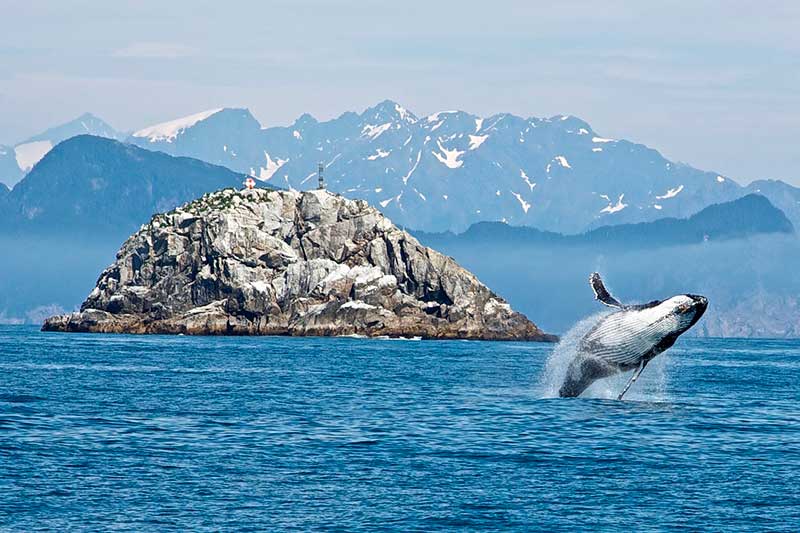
[[628, 338]]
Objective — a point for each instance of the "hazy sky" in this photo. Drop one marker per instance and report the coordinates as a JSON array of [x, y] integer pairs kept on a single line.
[[713, 84]]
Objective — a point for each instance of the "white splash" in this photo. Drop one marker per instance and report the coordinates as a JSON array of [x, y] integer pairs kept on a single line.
[[555, 369], [650, 387]]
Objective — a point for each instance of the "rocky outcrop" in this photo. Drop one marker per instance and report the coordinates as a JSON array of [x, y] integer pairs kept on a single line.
[[259, 262]]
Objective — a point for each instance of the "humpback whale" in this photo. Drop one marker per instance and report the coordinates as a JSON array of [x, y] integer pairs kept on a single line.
[[628, 338]]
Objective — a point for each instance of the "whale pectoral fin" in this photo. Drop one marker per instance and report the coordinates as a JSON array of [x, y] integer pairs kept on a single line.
[[601, 293], [633, 379]]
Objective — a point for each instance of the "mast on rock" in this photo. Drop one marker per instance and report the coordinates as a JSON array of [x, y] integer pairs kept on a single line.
[[321, 180]]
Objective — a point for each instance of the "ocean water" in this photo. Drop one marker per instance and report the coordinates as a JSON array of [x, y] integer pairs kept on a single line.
[[155, 433]]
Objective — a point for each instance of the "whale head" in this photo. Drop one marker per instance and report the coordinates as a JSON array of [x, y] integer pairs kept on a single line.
[[684, 310]]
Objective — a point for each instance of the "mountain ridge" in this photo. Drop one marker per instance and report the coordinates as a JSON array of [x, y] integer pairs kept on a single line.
[[450, 169], [91, 184], [17, 161], [749, 215]]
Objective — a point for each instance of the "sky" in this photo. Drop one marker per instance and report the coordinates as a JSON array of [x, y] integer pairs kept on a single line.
[[712, 84]]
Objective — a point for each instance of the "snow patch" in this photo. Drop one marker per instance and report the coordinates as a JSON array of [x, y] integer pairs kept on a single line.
[[720, 179], [478, 124], [169, 131], [379, 154], [528, 181], [403, 113], [583, 131], [373, 132], [671, 193], [476, 140], [656, 206], [602, 140], [597, 149], [562, 161], [407, 176], [525, 205], [29, 154], [272, 167], [296, 135], [448, 158], [619, 206]]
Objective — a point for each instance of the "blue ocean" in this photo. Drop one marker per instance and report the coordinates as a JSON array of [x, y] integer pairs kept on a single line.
[[157, 433]]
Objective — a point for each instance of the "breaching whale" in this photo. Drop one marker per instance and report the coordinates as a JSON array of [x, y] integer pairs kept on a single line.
[[628, 338]]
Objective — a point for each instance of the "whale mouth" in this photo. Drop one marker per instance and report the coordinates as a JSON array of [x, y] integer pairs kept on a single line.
[[699, 305]]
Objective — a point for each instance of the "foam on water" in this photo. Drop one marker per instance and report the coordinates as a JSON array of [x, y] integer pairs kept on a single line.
[[651, 385]]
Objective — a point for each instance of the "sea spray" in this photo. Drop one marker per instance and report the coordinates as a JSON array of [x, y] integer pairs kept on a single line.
[[651, 386]]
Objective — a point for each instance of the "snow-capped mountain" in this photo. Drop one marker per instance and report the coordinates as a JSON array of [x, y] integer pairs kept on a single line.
[[100, 186], [228, 137], [18, 160], [450, 169], [9, 170]]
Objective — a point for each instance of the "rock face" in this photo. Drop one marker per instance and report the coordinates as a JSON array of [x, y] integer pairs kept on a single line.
[[262, 262]]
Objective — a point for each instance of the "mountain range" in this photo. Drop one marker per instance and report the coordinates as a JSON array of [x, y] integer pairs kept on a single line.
[[448, 170], [741, 218], [452, 177], [445, 171], [18, 160], [93, 185]]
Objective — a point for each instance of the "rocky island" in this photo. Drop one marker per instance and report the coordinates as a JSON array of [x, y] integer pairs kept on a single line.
[[268, 262]]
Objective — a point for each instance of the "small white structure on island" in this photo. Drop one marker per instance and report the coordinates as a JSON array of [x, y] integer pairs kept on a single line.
[[250, 183]]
